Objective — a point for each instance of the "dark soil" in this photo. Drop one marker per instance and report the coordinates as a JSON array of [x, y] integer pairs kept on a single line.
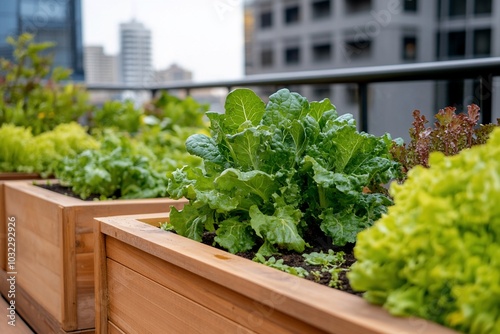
[[292, 259], [60, 189]]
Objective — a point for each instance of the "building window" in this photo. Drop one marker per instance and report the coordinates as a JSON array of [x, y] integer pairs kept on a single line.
[[358, 48], [266, 58], [356, 6], [482, 7], [482, 42], [456, 44], [457, 8], [410, 5], [292, 14], [292, 55], [322, 52], [266, 20], [409, 48], [321, 9]]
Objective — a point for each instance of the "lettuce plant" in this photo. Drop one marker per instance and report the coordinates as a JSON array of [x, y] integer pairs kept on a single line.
[[436, 253], [121, 168], [451, 133], [20, 151], [274, 175]]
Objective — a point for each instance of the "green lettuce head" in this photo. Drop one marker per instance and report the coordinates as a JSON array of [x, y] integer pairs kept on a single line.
[[436, 253]]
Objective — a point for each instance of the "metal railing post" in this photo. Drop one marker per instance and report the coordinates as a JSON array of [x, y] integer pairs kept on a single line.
[[363, 106]]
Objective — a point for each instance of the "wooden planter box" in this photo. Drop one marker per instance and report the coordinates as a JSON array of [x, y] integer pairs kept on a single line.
[[152, 281], [55, 253], [3, 226]]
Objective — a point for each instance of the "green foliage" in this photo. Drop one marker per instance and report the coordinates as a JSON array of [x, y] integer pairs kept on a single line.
[[122, 116], [163, 126], [121, 168], [168, 145], [170, 110], [278, 264], [330, 262], [272, 172], [451, 133], [31, 93], [436, 254], [166, 226], [20, 151]]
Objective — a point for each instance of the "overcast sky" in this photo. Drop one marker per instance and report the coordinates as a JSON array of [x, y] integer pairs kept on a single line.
[[203, 36]]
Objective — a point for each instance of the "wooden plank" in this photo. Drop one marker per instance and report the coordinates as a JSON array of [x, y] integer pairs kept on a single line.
[[100, 280], [329, 309], [112, 329], [85, 308], [57, 247], [232, 305], [34, 314], [3, 230], [85, 217], [156, 309], [84, 243], [20, 326], [69, 320], [38, 246]]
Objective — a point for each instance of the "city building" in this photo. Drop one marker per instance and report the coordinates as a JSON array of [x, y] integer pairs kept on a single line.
[[172, 74], [135, 54], [100, 68], [303, 35], [55, 21]]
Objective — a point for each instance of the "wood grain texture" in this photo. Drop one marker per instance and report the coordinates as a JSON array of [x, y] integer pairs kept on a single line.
[[100, 279], [112, 329], [20, 326], [157, 309], [3, 222], [55, 251], [329, 310], [250, 314]]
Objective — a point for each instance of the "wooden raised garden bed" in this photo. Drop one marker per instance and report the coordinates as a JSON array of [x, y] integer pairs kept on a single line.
[[3, 225], [55, 253], [152, 281]]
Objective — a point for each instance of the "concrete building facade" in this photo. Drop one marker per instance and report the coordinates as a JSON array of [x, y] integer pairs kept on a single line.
[[302, 35], [135, 54], [100, 68]]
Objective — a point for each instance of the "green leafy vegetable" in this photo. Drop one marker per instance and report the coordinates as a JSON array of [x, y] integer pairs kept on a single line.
[[271, 173], [278, 264], [20, 151], [330, 262], [436, 253], [120, 168]]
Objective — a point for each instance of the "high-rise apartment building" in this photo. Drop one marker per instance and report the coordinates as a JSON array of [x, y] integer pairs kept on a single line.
[[50, 21], [136, 59], [100, 68], [301, 35]]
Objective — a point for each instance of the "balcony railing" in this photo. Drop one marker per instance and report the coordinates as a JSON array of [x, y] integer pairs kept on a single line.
[[482, 69]]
